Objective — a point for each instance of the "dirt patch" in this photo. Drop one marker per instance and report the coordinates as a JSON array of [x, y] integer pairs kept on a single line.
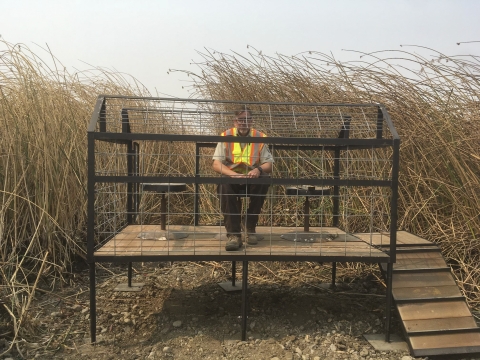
[[182, 313]]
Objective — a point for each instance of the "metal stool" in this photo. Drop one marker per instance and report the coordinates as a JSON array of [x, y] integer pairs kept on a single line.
[[306, 235], [163, 189]]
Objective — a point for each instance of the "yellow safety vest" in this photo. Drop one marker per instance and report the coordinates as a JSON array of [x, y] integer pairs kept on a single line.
[[249, 156]]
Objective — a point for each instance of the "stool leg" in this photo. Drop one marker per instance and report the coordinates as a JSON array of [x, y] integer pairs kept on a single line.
[[306, 211], [234, 272], [163, 211]]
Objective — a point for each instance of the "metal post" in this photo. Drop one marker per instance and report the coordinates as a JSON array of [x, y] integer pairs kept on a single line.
[[244, 300], [336, 188], [129, 274], [234, 272], [196, 206], [93, 304], [163, 212], [91, 233], [102, 115], [306, 211], [136, 186], [388, 310], [379, 123], [334, 274], [344, 134], [130, 168], [394, 200]]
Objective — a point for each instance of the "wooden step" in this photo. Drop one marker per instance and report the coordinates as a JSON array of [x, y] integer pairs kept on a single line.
[[445, 344], [434, 314], [433, 310], [419, 260], [422, 279], [415, 249], [426, 292], [445, 324]]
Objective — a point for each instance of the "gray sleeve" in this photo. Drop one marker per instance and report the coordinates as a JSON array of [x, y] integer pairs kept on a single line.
[[266, 155], [219, 153]]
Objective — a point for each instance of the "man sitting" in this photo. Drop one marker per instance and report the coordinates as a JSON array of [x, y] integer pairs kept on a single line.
[[242, 160]]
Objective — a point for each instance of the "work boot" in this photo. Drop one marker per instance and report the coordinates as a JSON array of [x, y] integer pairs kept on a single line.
[[234, 242], [251, 237]]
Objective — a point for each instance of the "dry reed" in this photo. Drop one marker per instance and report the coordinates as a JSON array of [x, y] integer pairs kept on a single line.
[[44, 114], [45, 110], [434, 103]]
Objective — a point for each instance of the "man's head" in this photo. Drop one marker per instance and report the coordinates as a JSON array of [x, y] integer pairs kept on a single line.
[[243, 120]]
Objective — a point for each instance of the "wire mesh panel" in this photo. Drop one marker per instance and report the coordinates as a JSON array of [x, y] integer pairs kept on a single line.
[[153, 190]]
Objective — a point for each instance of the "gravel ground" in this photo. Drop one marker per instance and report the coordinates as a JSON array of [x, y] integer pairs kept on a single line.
[[182, 313]]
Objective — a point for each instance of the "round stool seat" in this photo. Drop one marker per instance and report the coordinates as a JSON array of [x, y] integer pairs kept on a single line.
[[308, 191], [165, 187]]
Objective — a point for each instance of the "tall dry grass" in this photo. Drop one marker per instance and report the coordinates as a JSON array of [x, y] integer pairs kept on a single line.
[[45, 110], [435, 106], [44, 113]]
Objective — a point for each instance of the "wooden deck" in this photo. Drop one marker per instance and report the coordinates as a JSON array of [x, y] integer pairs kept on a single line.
[[150, 240]]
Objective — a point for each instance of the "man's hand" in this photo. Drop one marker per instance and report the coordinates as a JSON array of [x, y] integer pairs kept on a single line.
[[255, 173]]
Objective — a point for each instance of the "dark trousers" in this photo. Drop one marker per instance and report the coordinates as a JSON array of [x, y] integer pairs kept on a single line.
[[231, 206]]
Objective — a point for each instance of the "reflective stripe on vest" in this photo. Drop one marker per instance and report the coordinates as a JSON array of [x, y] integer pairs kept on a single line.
[[250, 155]]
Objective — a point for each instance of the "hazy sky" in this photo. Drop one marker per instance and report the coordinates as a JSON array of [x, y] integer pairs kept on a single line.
[[146, 38]]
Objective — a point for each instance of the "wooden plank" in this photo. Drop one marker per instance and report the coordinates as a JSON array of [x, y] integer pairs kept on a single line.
[[440, 324], [433, 310], [419, 260], [262, 245], [446, 341], [411, 280], [417, 249], [205, 240], [374, 239], [404, 237], [203, 251], [383, 239], [405, 262], [434, 292]]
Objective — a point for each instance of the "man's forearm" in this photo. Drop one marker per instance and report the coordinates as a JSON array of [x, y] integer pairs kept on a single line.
[[222, 169], [266, 167]]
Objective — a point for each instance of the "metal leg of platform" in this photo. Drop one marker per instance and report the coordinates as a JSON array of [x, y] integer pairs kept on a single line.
[[163, 212], [334, 274], [306, 216], [388, 310], [93, 305], [244, 300], [129, 274], [231, 286], [130, 286]]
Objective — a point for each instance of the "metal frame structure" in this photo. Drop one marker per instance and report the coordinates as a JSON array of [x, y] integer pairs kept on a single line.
[[110, 124]]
